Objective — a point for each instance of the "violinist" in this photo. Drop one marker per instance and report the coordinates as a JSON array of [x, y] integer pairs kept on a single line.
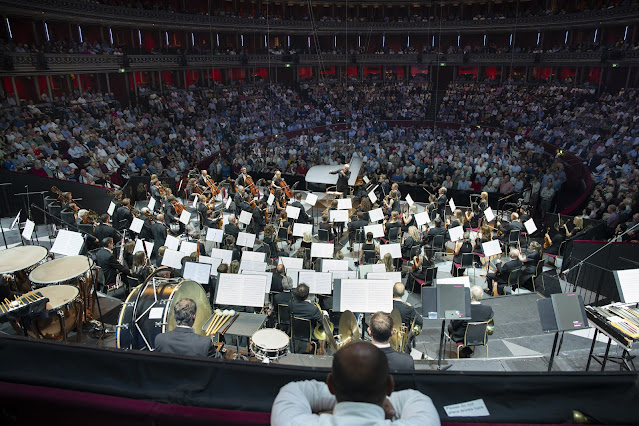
[[395, 187], [170, 214], [280, 201], [239, 199], [146, 233], [213, 220], [156, 191], [125, 217], [391, 203], [104, 229], [514, 225], [458, 218], [421, 262], [483, 204], [303, 216], [438, 229], [392, 222], [410, 240], [432, 206], [408, 217]]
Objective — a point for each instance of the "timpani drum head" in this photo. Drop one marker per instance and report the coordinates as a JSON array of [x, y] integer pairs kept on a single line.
[[59, 295], [18, 258], [60, 270]]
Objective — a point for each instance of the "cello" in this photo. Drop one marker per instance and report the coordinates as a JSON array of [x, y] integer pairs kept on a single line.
[[248, 181], [287, 190]]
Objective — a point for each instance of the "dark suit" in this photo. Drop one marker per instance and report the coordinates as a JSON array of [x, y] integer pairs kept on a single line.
[[276, 283], [283, 298], [353, 227], [342, 181], [303, 217], [407, 313], [306, 310], [103, 231], [184, 341], [515, 225], [158, 231], [398, 360], [155, 193], [529, 268], [110, 266], [478, 313], [441, 205], [503, 271], [433, 232], [231, 229], [124, 218], [259, 222]]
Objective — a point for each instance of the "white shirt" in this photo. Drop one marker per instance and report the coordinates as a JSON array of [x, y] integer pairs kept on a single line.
[[296, 402]]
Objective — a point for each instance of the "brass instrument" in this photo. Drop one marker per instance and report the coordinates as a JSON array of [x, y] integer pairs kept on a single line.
[[320, 330], [348, 330], [398, 338]]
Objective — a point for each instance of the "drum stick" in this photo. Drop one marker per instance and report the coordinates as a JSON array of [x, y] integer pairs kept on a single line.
[[27, 297], [208, 329], [230, 324], [226, 318], [220, 319]]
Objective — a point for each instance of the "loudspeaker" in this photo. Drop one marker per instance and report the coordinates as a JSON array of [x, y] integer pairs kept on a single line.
[[41, 62], [287, 58], [182, 61], [7, 62], [420, 58], [244, 60]]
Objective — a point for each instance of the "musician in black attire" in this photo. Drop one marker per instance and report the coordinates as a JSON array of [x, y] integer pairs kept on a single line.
[[461, 247], [280, 273], [145, 232], [301, 307], [342, 179], [125, 217], [442, 200], [155, 192], [183, 340], [514, 225], [231, 228], [368, 250], [170, 215], [158, 230], [531, 258], [438, 229], [241, 178], [503, 270], [259, 222], [240, 201], [407, 312], [202, 209], [104, 229], [357, 222], [380, 328], [109, 264], [303, 216], [284, 297], [212, 220], [326, 225], [478, 313]]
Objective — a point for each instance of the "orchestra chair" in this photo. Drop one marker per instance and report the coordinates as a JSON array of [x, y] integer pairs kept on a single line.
[[475, 335], [407, 263], [559, 253], [438, 245], [393, 236], [513, 281], [282, 236], [266, 249], [67, 217], [55, 209], [323, 236], [539, 274], [466, 263], [369, 257], [513, 240], [302, 331], [429, 278], [360, 237], [283, 318]]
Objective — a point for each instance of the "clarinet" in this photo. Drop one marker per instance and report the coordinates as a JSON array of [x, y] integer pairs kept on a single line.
[[118, 279]]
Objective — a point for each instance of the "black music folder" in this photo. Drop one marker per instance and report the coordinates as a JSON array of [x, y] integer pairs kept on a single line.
[[562, 312], [446, 301]]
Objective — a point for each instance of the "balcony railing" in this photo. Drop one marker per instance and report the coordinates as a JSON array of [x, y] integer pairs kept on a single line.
[[26, 63], [87, 12]]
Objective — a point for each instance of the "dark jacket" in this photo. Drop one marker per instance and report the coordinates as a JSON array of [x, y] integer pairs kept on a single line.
[[478, 313], [125, 217], [158, 230], [110, 266], [398, 360], [407, 313], [305, 310], [184, 341]]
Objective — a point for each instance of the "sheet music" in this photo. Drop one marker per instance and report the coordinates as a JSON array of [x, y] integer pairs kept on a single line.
[[372, 197], [530, 226], [330, 265], [366, 296], [270, 199], [489, 215], [378, 267], [195, 198], [172, 243], [215, 235], [228, 203], [344, 275], [376, 215], [317, 282], [136, 225], [291, 262], [111, 208], [339, 216], [241, 290], [268, 275], [244, 239], [185, 217], [456, 233], [324, 250], [198, 272], [211, 261], [294, 274], [409, 200], [422, 218], [188, 247], [395, 277], [225, 255], [463, 280], [172, 259], [254, 256], [344, 204], [452, 205], [491, 248], [363, 270], [251, 265], [377, 230], [300, 228], [366, 179], [394, 249], [29, 226], [292, 212], [15, 221], [68, 243], [628, 285], [311, 199], [145, 246], [151, 205], [245, 217]]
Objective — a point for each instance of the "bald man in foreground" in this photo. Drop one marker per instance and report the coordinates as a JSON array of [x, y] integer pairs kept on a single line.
[[358, 391]]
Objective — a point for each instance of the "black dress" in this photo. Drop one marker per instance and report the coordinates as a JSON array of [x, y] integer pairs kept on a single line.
[[466, 247]]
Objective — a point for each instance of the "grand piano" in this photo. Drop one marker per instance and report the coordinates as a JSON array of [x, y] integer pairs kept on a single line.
[[320, 175]]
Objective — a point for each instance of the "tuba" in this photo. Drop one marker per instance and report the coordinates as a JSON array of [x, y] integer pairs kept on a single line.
[[320, 330]]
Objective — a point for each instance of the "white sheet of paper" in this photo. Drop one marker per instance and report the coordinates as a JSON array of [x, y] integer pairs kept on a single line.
[[245, 217], [317, 282], [344, 275], [188, 247], [111, 208], [244, 239], [372, 197], [491, 248], [241, 290], [456, 233], [173, 258], [324, 250], [344, 204], [67, 243], [172, 243], [489, 215], [628, 280], [293, 273], [268, 275], [366, 179], [463, 280], [376, 215], [251, 265], [530, 226], [253, 256], [377, 267], [395, 277], [270, 199], [15, 221], [145, 246], [29, 226], [198, 272], [300, 228], [475, 408], [211, 261], [377, 230], [338, 216], [330, 265], [367, 296], [291, 262], [156, 313], [136, 225], [422, 218], [225, 255], [452, 205], [409, 200], [215, 235], [228, 203], [185, 217], [151, 204], [225, 219], [293, 212], [394, 249], [311, 199]]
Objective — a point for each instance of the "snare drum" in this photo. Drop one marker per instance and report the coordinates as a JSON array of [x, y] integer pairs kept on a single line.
[[72, 270], [61, 316], [269, 343], [18, 262]]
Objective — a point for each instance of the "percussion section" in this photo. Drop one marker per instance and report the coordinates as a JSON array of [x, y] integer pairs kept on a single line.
[[17, 263]]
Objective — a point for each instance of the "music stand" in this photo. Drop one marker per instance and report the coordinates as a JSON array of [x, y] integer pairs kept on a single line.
[[442, 302], [562, 312]]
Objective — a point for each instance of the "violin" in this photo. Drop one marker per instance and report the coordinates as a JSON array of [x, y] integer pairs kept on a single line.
[[547, 239]]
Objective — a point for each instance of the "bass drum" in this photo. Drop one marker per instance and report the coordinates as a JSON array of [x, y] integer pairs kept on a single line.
[[148, 311]]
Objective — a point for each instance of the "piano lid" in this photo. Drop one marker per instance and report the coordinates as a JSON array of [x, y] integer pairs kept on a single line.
[[321, 174]]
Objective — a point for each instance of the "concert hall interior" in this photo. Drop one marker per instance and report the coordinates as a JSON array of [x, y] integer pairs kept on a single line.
[[208, 206]]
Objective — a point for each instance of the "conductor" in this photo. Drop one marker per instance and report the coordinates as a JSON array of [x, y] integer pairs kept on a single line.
[[342, 179]]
